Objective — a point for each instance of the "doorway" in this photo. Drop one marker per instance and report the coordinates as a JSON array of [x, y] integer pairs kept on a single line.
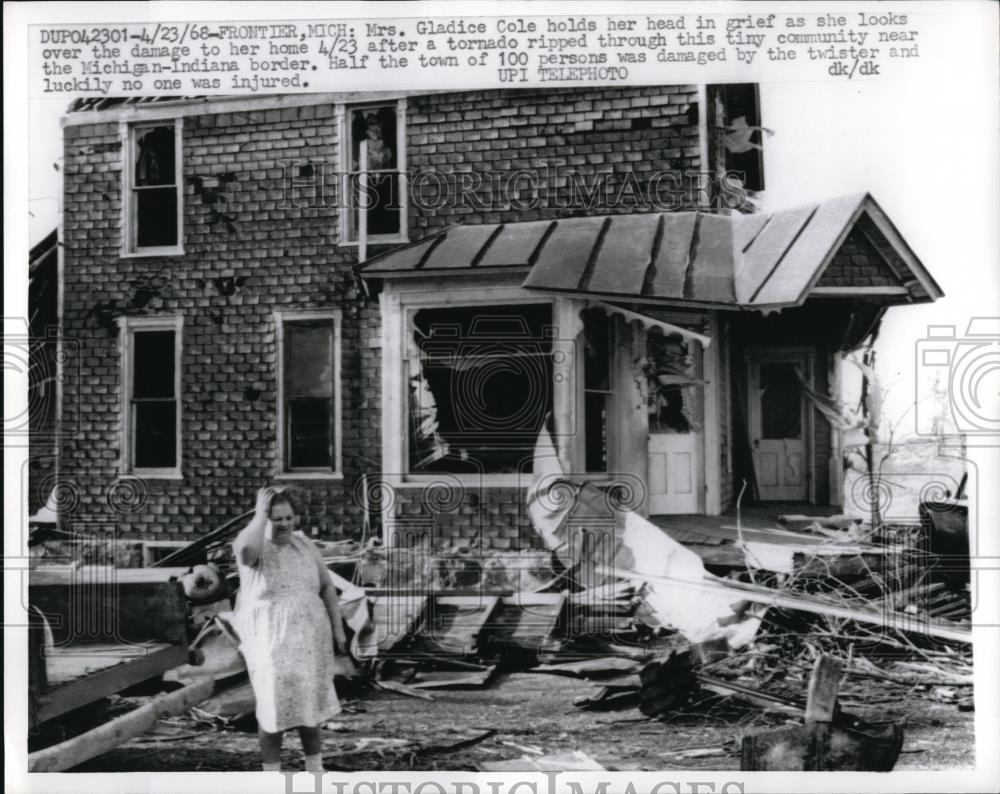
[[675, 404], [779, 422]]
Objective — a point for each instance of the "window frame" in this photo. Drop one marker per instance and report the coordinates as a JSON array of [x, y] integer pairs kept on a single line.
[[411, 353], [347, 236], [129, 227], [128, 327], [608, 394], [290, 317]]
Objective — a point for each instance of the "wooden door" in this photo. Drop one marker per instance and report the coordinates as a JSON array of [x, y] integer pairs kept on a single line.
[[675, 408], [778, 424]]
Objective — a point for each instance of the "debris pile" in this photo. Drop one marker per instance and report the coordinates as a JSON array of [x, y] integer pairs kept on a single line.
[[802, 618]]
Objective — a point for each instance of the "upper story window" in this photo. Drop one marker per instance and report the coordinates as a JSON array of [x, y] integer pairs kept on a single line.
[[153, 198], [376, 195], [309, 398], [734, 113], [151, 388]]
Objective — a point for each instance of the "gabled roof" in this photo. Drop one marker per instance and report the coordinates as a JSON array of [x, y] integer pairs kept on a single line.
[[751, 261]]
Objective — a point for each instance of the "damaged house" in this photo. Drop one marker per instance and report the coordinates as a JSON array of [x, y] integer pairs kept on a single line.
[[240, 317]]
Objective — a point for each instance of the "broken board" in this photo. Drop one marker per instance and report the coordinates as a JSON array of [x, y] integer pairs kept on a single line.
[[526, 621], [454, 623]]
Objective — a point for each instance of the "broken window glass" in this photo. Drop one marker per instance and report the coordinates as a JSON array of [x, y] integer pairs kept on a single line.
[[154, 187], [481, 387], [380, 197], [674, 384], [780, 401]]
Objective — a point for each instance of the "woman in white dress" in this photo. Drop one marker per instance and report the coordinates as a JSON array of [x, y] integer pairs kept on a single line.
[[289, 626]]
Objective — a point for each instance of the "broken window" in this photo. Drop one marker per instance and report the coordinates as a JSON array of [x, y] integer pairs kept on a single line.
[[780, 401], [151, 376], [673, 382], [479, 387], [310, 386], [379, 191], [153, 202], [735, 116], [596, 388]]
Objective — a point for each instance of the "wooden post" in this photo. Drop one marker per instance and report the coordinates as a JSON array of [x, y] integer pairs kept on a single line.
[[821, 705], [103, 738]]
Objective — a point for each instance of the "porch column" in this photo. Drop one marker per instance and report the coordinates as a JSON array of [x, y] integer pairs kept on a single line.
[[393, 401], [710, 424], [836, 362], [567, 358]]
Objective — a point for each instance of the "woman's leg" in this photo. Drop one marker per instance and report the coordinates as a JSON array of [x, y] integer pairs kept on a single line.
[[312, 746], [270, 746]]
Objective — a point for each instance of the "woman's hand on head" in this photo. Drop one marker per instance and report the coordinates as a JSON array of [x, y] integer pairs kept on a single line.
[[264, 497]]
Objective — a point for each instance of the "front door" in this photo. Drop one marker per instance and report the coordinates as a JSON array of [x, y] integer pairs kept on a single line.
[[778, 424], [674, 390]]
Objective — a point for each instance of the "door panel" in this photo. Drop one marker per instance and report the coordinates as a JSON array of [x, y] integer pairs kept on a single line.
[[675, 407], [778, 424]]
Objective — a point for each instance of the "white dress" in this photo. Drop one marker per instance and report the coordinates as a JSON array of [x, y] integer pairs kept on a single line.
[[285, 637]]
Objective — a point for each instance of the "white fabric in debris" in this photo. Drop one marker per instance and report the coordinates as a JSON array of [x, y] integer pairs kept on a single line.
[[673, 597]]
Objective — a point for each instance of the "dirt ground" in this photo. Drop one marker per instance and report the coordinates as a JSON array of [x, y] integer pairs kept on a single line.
[[530, 714]]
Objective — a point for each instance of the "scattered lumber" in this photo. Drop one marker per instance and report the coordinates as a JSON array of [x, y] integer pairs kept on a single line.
[[75, 751], [526, 621], [829, 741], [455, 622]]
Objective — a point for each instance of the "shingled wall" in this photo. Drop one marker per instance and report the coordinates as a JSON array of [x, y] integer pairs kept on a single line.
[[255, 252]]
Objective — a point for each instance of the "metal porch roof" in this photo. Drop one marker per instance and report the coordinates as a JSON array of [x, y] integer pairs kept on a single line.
[[753, 261]]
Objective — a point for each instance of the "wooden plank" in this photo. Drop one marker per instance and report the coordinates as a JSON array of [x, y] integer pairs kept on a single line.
[[100, 740], [454, 622], [94, 686], [67, 663], [104, 573], [824, 684], [395, 618], [102, 610], [526, 620]]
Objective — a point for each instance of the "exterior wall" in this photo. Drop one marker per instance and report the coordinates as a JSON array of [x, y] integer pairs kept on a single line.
[[261, 250], [642, 130], [243, 260]]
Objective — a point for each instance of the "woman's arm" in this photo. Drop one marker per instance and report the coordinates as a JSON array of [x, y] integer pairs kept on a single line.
[[250, 541], [328, 593]]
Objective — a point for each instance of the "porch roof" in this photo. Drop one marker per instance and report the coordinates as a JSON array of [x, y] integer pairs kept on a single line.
[[691, 257]]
